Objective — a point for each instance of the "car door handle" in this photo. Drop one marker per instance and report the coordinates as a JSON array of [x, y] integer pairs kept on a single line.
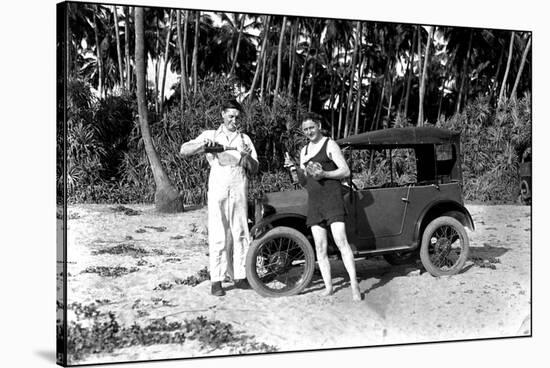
[[406, 200]]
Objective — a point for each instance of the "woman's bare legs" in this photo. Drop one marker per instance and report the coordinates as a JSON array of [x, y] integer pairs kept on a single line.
[[339, 234], [320, 238]]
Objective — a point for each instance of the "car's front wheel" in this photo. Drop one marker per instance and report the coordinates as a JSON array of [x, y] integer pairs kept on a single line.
[[280, 263], [445, 246]]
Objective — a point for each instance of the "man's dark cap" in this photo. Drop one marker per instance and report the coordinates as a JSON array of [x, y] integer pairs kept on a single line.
[[232, 104]]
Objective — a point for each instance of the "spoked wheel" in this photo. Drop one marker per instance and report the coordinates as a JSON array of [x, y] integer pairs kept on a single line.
[[280, 263], [525, 192], [445, 246]]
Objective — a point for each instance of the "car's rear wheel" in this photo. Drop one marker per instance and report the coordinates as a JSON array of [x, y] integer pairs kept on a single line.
[[445, 246], [280, 263], [401, 258], [525, 192]]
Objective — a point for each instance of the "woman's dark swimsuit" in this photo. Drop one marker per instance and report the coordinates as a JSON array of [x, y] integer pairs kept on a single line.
[[325, 203]]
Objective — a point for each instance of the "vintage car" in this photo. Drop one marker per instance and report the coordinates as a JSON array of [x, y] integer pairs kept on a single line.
[[418, 212]]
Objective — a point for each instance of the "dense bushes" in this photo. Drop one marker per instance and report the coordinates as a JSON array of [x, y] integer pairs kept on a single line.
[[107, 162], [493, 142]]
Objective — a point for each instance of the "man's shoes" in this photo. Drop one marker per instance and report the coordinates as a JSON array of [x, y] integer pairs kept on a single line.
[[242, 284], [217, 289]]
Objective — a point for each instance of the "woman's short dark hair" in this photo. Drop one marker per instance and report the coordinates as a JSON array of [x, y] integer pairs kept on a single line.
[[313, 117]]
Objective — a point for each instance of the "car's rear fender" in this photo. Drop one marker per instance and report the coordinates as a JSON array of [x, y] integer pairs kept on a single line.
[[293, 220], [442, 208]]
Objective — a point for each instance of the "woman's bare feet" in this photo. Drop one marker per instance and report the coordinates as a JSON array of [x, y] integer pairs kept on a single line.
[[356, 294], [327, 292]]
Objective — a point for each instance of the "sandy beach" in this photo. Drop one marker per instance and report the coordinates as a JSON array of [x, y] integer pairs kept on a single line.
[[143, 267]]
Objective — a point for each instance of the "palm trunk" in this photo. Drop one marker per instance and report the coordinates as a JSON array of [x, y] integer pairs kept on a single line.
[[351, 78], [236, 55], [419, 46], [167, 198], [119, 53], [341, 110], [378, 110], [127, 47], [407, 72], [166, 50], [423, 81], [262, 80], [99, 57], [185, 57], [313, 71], [520, 71], [494, 87], [358, 99], [390, 102], [157, 67], [409, 77], [367, 103], [342, 95], [183, 86], [280, 57], [196, 52], [303, 73], [270, 72], [464, 73], [331, 92], [294, 41], [441, 95], [503, 85], [259, 59]]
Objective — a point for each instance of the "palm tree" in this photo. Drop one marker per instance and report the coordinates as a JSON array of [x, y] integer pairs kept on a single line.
[[196, 51], [464, 71], [292, 56], [166, 50], [127, 46], [505, 78], [167, 198], [185, 71], [424, 77], [117, 38], [523, 59], [261, 57], [352, 76], [238, 46], [280, 57], [98, 53], [183, 74], [410, 73]]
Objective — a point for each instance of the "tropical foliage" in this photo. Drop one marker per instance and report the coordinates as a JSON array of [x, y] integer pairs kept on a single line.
[[359, 75]]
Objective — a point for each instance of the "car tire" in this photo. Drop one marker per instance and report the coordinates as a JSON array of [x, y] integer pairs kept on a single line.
[[401, 258], [281, 253], [525, 192], [445, 246]]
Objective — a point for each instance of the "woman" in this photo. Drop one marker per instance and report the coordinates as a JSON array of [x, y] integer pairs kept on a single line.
[[322, 165]]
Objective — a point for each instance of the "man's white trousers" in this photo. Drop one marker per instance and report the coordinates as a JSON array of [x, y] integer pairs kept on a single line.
[[228, 235]]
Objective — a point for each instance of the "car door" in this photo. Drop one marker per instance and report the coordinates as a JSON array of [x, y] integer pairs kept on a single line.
[[375, 216]]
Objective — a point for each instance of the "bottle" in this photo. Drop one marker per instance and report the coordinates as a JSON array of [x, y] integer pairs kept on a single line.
[[293, 171], [217, 148]]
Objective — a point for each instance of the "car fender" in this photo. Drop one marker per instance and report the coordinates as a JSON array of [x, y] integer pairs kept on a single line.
[[451, 208], [266, 223]]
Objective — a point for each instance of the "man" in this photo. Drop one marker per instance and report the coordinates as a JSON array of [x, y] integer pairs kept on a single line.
[[228, 235]]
